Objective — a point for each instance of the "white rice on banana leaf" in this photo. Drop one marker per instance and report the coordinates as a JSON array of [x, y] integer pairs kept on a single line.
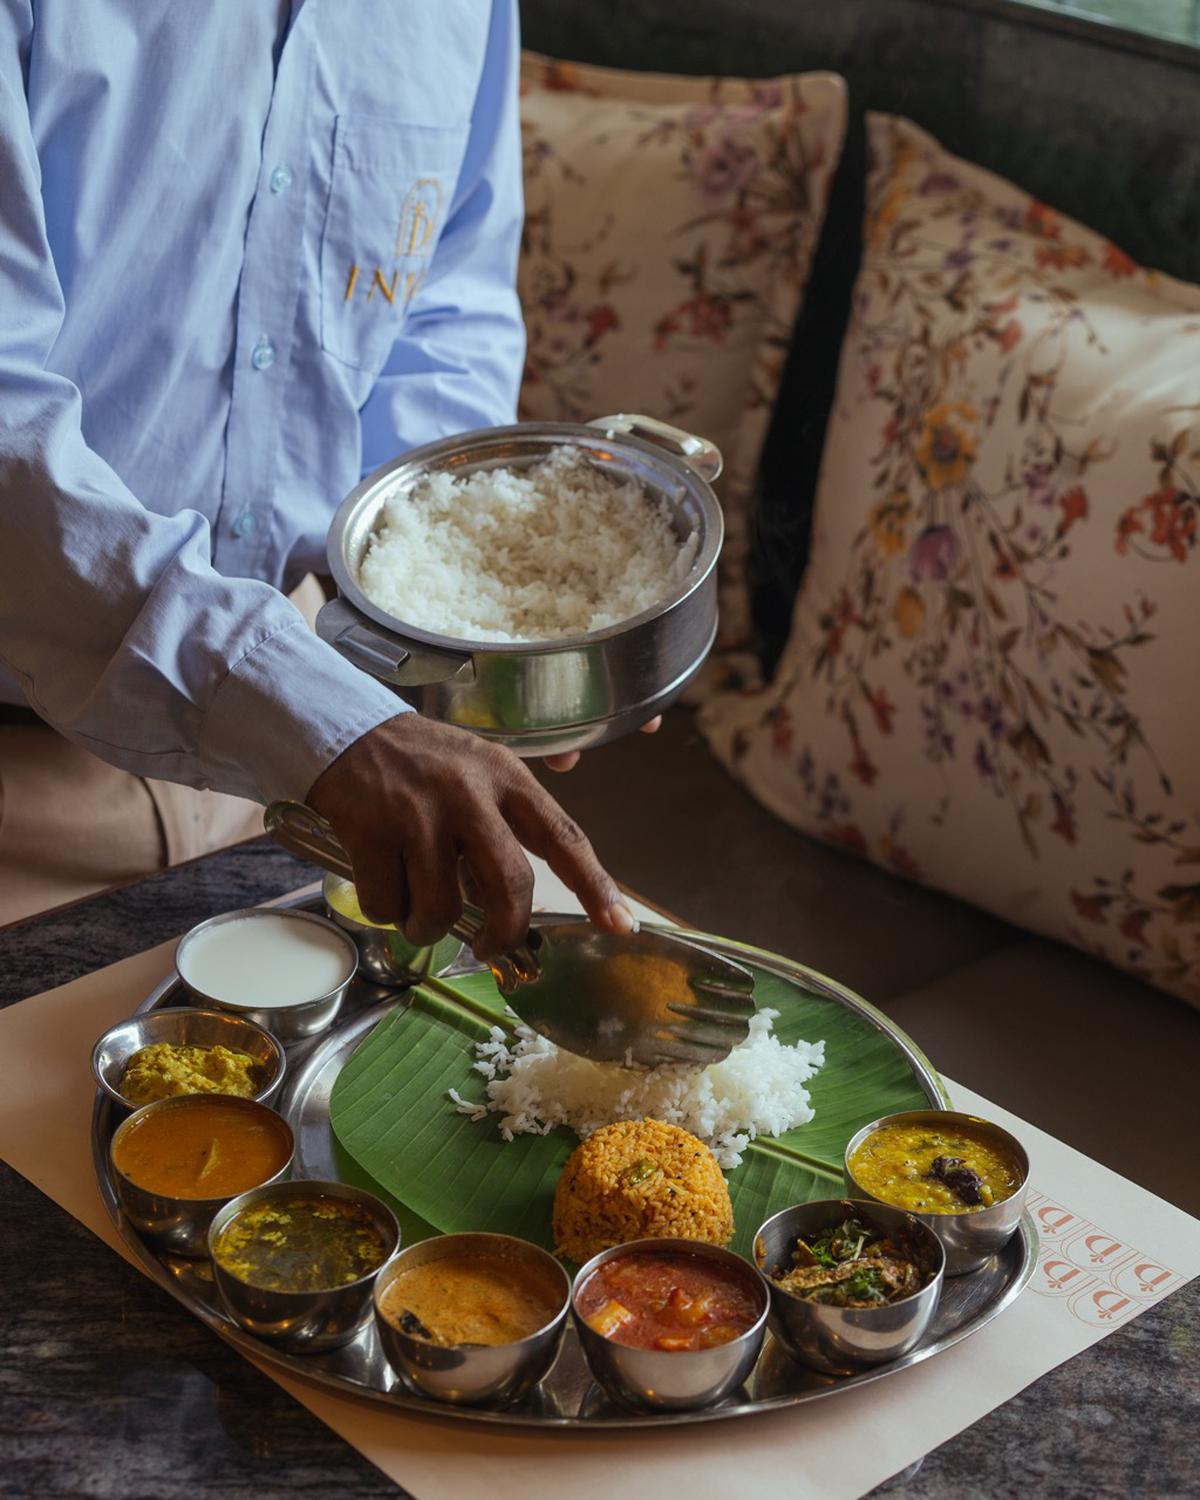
[[757, 1090]]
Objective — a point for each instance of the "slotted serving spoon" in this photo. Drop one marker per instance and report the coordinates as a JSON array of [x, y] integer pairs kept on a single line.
[[640, 998]]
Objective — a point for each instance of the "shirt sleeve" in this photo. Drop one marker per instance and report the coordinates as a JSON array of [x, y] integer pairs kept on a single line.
[[457, 365], [112, 618]]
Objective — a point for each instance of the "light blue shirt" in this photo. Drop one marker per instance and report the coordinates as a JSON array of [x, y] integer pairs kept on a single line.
[[249, 250]]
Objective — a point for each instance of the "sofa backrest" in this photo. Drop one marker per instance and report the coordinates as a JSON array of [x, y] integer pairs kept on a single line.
[[1101, 124]]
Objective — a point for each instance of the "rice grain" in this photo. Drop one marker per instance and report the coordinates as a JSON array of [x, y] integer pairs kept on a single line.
[[557, 549]]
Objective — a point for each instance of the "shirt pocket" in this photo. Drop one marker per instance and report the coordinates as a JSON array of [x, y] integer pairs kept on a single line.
[[390, 192]]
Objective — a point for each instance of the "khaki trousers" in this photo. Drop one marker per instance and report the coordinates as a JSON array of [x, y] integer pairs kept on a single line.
[[72, 825]]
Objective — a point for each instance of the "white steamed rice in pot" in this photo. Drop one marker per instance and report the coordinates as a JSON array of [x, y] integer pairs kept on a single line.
[[557, 549]]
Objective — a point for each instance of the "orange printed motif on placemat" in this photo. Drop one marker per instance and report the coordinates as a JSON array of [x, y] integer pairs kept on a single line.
[[1056, 1277], [1053, 1221], [1146, 1278], [1103, 1280], [1103, 1307], [1092, 1248]]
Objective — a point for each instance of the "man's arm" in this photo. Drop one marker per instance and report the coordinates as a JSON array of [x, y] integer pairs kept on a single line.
[[118, 628], [458, 362], [125, 639]]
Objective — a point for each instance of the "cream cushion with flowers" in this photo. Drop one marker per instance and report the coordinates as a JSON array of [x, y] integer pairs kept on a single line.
[[669, 229], [991, 681]]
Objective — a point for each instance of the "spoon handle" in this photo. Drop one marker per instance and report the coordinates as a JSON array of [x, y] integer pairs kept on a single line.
[[302, 831], [306, 834]]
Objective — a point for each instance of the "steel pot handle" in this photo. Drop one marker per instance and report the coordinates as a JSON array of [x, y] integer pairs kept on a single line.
[[377, 652], [703, 456]]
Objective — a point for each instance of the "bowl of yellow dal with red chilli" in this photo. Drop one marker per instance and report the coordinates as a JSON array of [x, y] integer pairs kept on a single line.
[[962, 1176]]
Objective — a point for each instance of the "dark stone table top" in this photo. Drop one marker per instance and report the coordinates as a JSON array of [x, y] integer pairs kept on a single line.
[[109, 1388]]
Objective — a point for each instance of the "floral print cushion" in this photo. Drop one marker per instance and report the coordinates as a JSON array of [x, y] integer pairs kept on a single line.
[[989, 685], [669, 229]]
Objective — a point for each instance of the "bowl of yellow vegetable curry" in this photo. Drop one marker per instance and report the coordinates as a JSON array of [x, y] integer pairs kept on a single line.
[[179, 1050]]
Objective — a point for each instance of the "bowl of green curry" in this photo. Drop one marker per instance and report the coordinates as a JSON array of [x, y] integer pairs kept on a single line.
[[295, 1262]]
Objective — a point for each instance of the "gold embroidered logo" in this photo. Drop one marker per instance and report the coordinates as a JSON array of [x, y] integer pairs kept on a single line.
[[420, 214]]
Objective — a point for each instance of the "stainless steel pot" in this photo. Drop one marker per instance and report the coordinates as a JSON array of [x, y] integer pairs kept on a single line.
[[541, 697]]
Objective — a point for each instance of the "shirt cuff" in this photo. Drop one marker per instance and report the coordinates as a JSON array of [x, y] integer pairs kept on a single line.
[[286, 711]]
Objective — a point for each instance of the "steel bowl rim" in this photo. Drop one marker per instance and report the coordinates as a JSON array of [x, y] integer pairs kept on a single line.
[[345, 1190], [914, 1225], [516, 1345], [958, 1215], [348, 586], [378, 962], [184, 1101], [276, 1046], [669, 1243], [295, 1008]]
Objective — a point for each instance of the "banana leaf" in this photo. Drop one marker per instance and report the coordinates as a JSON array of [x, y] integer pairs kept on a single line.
[[391, 1113]]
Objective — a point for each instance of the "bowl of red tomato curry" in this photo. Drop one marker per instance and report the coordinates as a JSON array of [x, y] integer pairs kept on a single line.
[[670, 1324]]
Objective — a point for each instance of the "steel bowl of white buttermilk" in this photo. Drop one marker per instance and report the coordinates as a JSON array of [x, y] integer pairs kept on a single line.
[[287, 971], [541, 697]]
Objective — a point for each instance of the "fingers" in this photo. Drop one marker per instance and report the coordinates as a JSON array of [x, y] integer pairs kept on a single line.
[[380, 883], [546, 830], [566, 762], [435, 903], [501, 874], [569, 760], [467, 883], [436, 794]]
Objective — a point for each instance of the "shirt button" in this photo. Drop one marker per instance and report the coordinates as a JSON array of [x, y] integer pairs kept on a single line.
[[263, 355], [244, 524], [281, 178]]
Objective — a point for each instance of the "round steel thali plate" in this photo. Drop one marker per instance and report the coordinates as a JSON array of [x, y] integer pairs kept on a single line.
[[567, 1398]]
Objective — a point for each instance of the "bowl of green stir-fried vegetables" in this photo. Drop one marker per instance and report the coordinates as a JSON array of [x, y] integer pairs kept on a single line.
[[853, 1284]]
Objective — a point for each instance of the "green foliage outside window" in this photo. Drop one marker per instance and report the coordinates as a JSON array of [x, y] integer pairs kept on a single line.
[[1176, 20]]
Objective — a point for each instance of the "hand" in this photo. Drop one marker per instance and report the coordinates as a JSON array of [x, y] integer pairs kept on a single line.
[[570, 760], [413, 797]]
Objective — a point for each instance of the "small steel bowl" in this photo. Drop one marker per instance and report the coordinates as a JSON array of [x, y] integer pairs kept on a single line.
[[663, 1380], [385, 956], [475, 1374], [842, 1340], [185, 1026], [972, 1237], [288, 1023], [181, 1225], [301, 1322]]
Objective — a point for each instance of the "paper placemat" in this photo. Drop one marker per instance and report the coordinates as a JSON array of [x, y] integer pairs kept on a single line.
[[1109, 1250]]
